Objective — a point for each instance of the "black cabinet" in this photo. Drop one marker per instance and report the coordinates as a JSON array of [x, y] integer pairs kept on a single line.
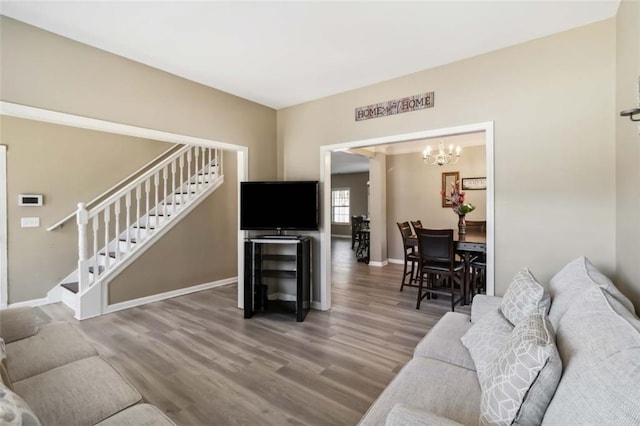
[[277, 275]]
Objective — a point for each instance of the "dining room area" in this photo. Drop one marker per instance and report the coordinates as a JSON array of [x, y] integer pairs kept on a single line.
[[427, 203]]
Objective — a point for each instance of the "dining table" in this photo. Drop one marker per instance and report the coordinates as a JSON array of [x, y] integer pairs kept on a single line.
[[467, 246]]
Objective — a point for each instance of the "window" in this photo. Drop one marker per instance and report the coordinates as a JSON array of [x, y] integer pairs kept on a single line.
[[340, 205]]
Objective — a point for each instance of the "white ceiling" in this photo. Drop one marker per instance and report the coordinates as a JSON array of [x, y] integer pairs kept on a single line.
[[357, 161], [284, 53]]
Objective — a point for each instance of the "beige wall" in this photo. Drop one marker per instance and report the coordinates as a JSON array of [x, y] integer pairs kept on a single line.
[[67, 165], [357, 183], [43, 70], [195, 251], [413, 192], [551, 101], [628, 150]]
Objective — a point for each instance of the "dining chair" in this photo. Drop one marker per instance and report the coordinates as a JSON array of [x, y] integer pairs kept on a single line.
[[437, 262], [410, 256], [416, 224], [356, 224]]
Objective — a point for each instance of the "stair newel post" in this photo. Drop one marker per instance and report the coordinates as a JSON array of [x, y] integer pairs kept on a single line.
[[82, 218], [127, 203], [189, 156], [173, 184], [107, 219], [165, 176], [96, 228], [117, 216]]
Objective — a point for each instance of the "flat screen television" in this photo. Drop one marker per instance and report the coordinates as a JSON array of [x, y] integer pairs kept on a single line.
[[279, 205]]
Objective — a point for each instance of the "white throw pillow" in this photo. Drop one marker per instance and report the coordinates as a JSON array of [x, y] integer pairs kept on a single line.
[[485, 339], [14, 411], [518, 377], [523, 297]]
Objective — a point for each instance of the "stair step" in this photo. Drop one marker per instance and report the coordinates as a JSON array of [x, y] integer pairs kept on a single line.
[[143, 227], [112, 254], [185, 192], [72, 287], [100, 269], [132, 240]]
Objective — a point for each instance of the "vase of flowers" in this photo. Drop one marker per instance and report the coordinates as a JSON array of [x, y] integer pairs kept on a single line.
[[459, 206]]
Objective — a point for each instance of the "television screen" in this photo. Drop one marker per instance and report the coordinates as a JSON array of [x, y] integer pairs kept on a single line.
[[291, 205]]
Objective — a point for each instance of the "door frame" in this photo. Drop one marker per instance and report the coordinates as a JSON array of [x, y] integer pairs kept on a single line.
[[4, 247], [325, 202]]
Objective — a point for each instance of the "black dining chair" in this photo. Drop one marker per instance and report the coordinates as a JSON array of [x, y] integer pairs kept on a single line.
[[356, 224], [416, 224], [437, 263], [410, 256]]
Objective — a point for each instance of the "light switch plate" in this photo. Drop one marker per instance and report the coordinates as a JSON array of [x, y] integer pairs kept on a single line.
[[30, 222]]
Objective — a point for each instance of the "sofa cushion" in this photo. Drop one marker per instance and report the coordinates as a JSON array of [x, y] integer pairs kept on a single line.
[[523, 297], [599, 343], [443, 341], [4, 376], [55, 344], [427, 384], [483, 304], [403, 415], [517, 368], [82, 392], [570, 283], [485, 339], [17, 323], [14, 411], [138, 415]]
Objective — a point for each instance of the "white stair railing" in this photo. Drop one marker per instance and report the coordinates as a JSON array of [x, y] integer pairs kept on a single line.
[[144, 206]]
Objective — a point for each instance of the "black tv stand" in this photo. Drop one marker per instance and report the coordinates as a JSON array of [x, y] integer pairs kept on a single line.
[[282, 262]]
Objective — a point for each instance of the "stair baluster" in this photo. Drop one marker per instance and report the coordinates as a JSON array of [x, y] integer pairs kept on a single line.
[[82, 218]]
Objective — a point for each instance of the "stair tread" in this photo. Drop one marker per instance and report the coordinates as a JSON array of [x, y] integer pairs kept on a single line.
[[112, 254], [100, 269], [132, 240], [144, 227], [72, 287]]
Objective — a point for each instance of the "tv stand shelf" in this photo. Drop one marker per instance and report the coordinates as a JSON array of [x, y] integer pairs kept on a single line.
[[281, 268]]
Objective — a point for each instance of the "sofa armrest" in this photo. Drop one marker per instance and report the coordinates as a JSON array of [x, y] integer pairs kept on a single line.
[[17, 324], [483, 304], [403, 415]]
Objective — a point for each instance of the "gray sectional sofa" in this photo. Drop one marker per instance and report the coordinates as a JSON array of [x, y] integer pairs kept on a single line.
[[52, 376], [562, 354]]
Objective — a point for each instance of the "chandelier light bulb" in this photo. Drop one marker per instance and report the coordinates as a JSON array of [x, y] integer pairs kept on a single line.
[[442, 157]]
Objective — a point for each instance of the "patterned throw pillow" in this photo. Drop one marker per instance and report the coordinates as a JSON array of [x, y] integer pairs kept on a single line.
[[528, 359], [14, 411], [523, 297], [485, 339]]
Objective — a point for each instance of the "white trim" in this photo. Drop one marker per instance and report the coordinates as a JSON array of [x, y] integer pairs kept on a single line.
[[378, 264], [317, 305], [4, 247], [325, 182], [396, 261], [340, 236], [167, 295], [32, 113], [39, 114], [31, 303]]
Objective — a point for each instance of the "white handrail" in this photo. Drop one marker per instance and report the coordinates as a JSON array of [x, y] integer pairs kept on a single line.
[[131, 185], [74, 212]]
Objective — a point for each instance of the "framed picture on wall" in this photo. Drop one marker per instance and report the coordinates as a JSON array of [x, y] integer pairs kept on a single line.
[[471, 184], [448, 179]]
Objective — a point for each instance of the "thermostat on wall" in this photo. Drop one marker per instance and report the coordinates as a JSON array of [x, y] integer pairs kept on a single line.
[[30, 200]]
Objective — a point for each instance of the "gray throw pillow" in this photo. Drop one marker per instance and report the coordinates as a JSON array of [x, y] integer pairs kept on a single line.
[[14, 411], [485, 339], [516, 388], [523, 297]]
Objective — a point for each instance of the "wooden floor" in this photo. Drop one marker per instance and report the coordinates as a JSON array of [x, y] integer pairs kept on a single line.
[[199, 361]]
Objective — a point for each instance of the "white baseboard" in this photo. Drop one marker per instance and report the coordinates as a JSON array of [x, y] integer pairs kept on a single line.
[[318, 306], [32, 303], [397, 261], [378, 264], [167, 295], [341, 236]]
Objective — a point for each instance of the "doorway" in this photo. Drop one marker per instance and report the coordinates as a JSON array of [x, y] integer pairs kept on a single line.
[[325, 178]]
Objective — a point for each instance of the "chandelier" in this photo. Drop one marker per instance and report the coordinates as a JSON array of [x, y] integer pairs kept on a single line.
[[442, 157]]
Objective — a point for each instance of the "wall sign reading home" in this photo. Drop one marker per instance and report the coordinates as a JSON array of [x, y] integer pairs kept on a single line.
[[396, 106]]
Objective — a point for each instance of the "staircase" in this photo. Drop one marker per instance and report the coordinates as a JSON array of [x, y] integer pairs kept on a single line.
[[119, 229]]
